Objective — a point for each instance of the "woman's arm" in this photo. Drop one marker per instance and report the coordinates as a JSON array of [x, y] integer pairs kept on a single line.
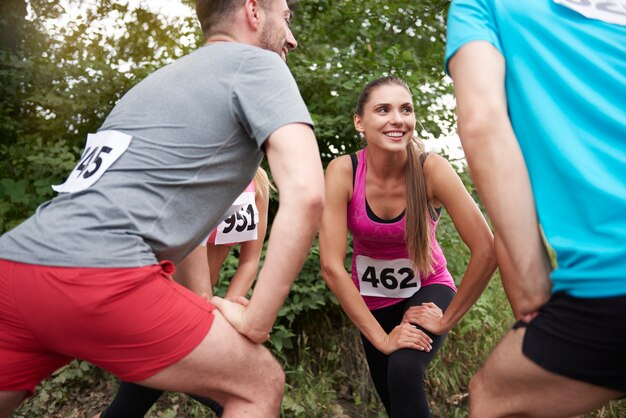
[[250, 251], [445, 186], [333, 239]]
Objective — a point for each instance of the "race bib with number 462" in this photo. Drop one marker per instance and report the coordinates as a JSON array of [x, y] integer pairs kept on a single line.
[[612, 11], [386, 278], [102, 150]]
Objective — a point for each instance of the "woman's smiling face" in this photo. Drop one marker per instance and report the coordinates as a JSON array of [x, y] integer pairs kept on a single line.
[[388, 119]]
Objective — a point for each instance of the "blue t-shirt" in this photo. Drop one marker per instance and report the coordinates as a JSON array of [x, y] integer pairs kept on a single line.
[[566, 90]]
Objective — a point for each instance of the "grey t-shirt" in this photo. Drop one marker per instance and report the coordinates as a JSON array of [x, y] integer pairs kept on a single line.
[[197, 128]]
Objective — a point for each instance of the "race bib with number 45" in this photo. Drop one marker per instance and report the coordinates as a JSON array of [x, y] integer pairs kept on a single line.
[[102, 150], [612, 11], [386, 278]]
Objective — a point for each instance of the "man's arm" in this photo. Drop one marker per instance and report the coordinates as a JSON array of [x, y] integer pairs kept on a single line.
[[296, 168], [500, 174]]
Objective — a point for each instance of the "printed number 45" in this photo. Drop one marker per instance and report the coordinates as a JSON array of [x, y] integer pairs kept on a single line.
[[91, 155], [388, 278]]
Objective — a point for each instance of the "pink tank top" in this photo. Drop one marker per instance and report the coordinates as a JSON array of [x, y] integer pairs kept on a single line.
[[381, 269]]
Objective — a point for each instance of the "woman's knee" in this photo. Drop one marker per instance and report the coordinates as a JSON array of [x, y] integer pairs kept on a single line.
[[407, 364]]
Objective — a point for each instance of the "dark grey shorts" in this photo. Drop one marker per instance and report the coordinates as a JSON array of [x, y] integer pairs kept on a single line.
[[580, 338]]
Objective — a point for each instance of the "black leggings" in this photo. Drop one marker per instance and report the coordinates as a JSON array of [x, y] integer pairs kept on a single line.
[[399, 377], [134, 401]]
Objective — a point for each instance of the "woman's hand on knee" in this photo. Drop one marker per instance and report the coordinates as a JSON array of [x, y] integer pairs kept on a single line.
[[406, 336], [427, 315]]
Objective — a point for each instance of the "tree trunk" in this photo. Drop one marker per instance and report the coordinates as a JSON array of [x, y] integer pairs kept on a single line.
[[12, 15]]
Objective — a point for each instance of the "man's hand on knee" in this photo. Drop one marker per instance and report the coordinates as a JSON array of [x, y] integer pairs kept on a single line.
[[235, 313]]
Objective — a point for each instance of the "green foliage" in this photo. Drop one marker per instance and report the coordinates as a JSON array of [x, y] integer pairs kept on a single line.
[[308, 294], [344, 44], [326, 370], [26, 172], [466, 347], [63, 387], [57, 89]]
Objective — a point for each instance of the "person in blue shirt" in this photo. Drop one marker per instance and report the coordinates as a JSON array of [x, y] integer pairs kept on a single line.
[[541, 106]]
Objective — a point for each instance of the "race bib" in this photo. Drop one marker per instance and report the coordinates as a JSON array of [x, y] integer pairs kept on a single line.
[[102, 150], [386, 278], [613, 11], [241, 225]]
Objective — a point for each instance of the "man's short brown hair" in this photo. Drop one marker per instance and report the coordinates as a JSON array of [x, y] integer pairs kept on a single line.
[[213, 12]]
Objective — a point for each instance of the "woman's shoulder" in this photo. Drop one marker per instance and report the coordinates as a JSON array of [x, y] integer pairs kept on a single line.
[[341, 164], [434, 162], [340, 174], [437, 171]]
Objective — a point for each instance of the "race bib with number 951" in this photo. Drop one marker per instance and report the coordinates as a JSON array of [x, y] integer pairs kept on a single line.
[[102, 150], [386, 278], [613, 11], [241, 225]]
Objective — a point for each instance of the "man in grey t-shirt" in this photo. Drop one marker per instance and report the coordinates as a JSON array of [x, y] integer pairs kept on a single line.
[[87, 276]]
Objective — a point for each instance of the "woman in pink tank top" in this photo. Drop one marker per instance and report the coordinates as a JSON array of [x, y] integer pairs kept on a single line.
[[399, 293]]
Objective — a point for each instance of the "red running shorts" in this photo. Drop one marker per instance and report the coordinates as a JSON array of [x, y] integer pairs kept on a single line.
[[133, 322]]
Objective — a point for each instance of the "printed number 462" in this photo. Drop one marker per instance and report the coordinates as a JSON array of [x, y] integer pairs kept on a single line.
[[388, 278]]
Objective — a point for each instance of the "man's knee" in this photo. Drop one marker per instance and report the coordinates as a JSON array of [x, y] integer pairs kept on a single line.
[[9, 401], [268, 385], [485, 400], [478, 395], [275, 378], [476, 383]]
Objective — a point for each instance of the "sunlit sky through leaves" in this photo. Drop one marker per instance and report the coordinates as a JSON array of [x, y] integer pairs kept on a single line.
[[175, 11]]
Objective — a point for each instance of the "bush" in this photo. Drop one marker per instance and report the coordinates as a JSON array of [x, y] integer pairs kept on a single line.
[[27, 170], [321, 352]]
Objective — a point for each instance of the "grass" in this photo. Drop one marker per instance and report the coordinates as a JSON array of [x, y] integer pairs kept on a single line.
[[326, 372]]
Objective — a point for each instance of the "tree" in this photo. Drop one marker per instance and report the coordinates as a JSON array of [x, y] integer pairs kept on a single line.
[[12, 15], [58, 85], [343, 44]]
